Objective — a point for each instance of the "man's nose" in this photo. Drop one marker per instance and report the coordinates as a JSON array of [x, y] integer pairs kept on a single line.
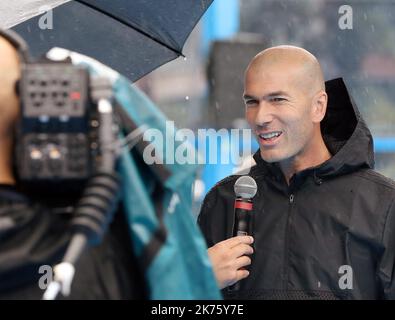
[[264, 114]]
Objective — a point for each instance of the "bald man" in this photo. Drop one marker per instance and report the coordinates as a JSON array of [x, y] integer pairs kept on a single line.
[[323, 219], [33, 237]]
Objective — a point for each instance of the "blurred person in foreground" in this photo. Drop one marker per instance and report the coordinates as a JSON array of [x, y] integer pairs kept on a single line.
[[323, 219], [31, 236]]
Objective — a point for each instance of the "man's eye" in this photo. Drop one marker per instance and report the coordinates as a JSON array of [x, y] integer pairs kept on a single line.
[[251, 102], [278, 99]]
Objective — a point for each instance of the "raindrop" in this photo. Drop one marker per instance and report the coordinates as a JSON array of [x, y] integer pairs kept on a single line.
[[187, 98], [185, 58]]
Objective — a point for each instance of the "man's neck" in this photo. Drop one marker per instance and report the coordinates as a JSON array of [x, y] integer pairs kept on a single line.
[[314, 154]]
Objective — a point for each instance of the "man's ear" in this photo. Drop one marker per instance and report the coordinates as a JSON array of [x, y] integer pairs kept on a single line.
[[319, 104]]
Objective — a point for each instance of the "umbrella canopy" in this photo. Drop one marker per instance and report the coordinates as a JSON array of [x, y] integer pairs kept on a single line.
[[132, 36]]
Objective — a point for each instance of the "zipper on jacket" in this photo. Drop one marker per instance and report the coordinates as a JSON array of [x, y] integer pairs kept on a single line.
[[291, 201]]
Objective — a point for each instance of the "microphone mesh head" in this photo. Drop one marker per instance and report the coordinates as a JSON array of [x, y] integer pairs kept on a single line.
[[245, 187]]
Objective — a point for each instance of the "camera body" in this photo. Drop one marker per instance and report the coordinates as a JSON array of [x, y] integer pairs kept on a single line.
[[57, 143]]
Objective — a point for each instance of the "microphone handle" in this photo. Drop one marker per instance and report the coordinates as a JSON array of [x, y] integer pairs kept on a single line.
[[242, 226], [242, 213]]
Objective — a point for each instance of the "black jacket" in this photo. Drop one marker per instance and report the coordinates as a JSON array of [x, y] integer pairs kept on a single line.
[[33, 234], [340, 213]]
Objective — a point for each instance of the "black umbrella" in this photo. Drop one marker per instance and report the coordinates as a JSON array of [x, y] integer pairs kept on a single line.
[[132, 36]]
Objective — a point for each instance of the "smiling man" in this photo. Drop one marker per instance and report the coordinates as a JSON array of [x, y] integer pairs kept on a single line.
[[323, 219], [285, 102]]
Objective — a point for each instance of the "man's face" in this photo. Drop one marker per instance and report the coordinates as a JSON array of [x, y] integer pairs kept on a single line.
[[278, 110]]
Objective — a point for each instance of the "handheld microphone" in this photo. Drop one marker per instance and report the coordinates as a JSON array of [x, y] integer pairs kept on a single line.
[[245, 189]]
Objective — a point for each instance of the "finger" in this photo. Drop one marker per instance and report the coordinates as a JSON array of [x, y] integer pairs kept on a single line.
[[241, 250], [232, 242], [242, 274], [242, 262]]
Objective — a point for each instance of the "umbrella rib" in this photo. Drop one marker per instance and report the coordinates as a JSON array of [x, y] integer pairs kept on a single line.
[[124, 22]]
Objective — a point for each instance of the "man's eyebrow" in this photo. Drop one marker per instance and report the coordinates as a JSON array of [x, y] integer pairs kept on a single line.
[[276, 93], [248, 97], [269, 95]]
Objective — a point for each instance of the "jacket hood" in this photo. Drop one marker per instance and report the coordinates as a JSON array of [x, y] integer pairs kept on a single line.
[[345, 134]]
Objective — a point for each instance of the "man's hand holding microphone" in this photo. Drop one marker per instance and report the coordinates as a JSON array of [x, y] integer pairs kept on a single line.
[[230, 257]]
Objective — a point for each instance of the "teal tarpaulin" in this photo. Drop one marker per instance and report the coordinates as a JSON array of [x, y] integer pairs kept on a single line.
[[157, 201]]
